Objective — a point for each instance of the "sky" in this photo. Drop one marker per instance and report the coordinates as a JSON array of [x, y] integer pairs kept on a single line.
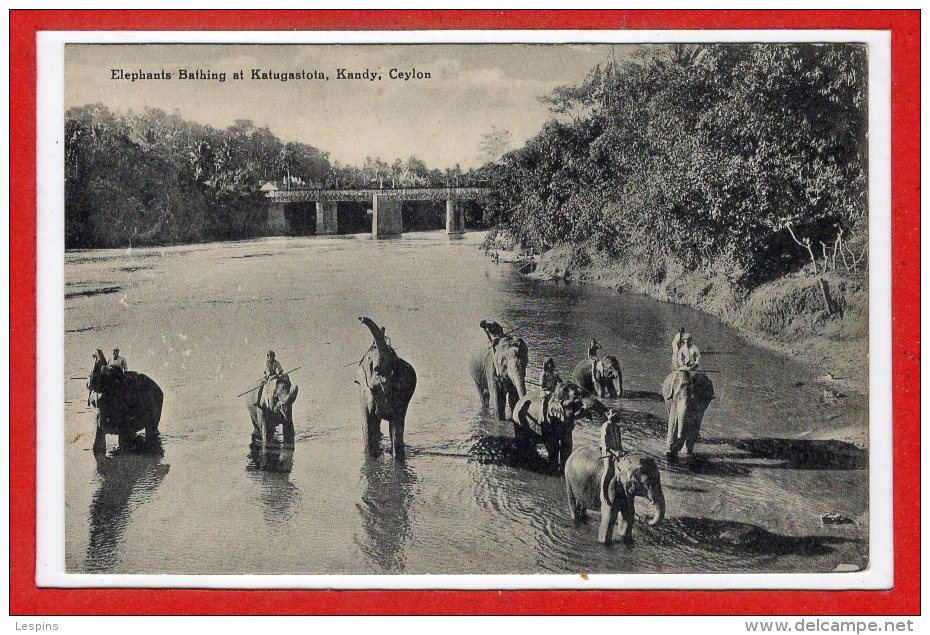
[[472, 88]]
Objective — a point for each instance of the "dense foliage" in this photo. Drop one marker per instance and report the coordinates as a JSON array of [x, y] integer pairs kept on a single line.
[[701, 153], [154, 178]]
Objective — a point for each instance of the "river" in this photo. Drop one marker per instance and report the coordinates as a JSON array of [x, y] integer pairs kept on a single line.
[[199, 320]]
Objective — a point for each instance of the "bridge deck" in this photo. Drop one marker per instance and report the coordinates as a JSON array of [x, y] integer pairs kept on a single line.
[[406, 194]]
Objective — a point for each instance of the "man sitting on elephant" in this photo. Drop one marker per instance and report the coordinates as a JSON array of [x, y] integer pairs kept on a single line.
[[676, 344]]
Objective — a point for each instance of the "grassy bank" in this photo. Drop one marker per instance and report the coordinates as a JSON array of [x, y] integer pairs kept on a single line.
[[787, 315]]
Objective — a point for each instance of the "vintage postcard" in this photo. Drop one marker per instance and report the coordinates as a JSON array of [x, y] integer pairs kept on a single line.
[[517, 310]]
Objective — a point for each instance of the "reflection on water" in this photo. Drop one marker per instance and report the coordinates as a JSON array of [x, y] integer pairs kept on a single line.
[[384, 511], [199, 320], [126, 481]]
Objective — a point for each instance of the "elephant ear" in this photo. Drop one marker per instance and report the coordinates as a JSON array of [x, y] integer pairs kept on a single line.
[[610, 362]]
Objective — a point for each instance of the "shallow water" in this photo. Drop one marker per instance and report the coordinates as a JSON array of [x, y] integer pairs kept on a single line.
[[199, 319]]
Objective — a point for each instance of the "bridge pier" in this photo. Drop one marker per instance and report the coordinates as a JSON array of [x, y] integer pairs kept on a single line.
[[455, 218], [327, 218], [386, 220]]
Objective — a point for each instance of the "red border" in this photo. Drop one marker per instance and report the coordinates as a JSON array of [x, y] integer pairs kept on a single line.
[[25, 598]]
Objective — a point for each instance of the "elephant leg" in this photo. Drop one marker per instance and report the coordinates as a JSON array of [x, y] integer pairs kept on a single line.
[[151, 427], [673, 441], [575, 507], [605, 532], [267, 430], [494, 402], [396, 427], [512, 398], [501, 404], [689, 445], [100, 443], [673, 447], [151, 432]]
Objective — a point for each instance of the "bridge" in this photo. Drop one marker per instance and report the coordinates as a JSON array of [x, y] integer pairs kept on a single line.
[[386, 218]]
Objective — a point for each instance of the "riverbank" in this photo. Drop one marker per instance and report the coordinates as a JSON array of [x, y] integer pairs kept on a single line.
[[786, 315]]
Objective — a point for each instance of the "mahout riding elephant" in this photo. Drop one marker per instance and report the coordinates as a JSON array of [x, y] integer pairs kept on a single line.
[[550, 419], [687, 395], [386, 386], [633, 475], [499, 371], [126, 402], [273, 406], [604, 377]]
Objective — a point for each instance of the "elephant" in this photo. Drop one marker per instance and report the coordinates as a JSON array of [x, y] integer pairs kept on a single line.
[[605, 378], [499, 372], [551, 419], [687, 395], [633, 475], [272, 408], [386, 385], [126, 402]]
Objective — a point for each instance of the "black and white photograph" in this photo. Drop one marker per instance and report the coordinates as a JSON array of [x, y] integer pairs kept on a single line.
[[379, 309]]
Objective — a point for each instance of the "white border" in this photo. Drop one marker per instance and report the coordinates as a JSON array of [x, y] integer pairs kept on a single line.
[[50, 552]]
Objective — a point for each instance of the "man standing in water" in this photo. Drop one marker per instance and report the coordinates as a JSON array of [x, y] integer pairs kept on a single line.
[[593, 350]]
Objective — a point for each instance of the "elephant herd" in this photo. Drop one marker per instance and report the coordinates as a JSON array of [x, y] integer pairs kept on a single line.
[[128, 402]]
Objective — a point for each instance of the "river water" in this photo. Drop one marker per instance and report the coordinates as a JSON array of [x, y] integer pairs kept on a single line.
[[199, 319]]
